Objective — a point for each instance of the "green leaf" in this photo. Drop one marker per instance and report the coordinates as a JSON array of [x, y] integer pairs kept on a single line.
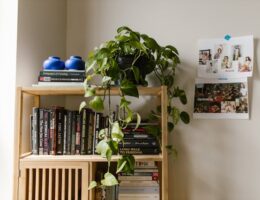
[[129, 88], [83, 104], [89, 92], [121, 166], [102, 148], [185, 117], [91, 66], [123, 28], [92, 185], [113, 146], [109, 155], [97, 104], [175, 115], [183, 99], [136, 73], [129, 117], [172, 48], [102, 133], [170, 127], [109, 180], [124, 102], [138, 120], [117, 133]]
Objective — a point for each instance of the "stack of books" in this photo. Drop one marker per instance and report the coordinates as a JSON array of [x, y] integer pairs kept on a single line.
[[61, 78], [139, 141], [142, 185]]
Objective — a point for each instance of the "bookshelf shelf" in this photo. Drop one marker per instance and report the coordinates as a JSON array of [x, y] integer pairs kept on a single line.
[[40, 175], [85, 158]]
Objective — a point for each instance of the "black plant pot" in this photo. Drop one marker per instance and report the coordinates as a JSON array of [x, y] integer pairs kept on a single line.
[[144, 65]]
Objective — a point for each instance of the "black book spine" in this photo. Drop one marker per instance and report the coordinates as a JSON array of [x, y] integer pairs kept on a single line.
[[69, 126], [53, 131], [60, 79], [46, 122], [63, 73], [84, 131], [97, 128], [35, 131], [60, 130], [139, 143], [137, 136], [65, 133], [73, 133], [91, 133], [41, 130], [78, 134], [139, 151]]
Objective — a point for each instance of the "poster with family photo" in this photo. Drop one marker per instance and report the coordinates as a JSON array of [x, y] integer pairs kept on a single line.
[[220, 58], [221, 99]]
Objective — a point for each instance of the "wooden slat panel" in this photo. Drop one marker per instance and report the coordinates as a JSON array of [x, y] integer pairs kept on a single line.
[[63, 185], [37, 184], [69, 184], [76, 183], [22, 185], [50, 185], [57, 176], [43, 184]]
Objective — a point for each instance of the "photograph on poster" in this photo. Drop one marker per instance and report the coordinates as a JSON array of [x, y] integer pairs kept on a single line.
[[220, 58], [221, 99]]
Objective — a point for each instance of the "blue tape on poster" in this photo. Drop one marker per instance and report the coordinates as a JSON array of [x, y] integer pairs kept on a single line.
[[227, 37]]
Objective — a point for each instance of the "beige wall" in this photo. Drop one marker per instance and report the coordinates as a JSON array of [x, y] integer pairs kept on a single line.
[[218, 159]]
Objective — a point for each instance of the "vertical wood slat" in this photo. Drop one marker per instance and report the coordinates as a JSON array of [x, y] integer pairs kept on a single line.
[[84, 182], [69, 184], [50, 185], [43, 183], [57, 176], [76, 183], [63, 185], [30, 184], [36, 102], [22, 183], [37, 183], [164, 103]]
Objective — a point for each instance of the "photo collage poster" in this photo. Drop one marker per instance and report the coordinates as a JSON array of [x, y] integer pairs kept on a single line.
[[220, 58], [221, 89]]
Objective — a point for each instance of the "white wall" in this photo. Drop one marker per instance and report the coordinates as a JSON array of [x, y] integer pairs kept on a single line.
[[8, 27], [218, 159]]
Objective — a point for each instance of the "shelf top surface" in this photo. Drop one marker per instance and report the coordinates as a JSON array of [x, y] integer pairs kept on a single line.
[[86, 158], [154, 91]]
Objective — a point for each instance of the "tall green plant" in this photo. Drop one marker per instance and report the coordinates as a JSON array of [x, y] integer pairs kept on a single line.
[[103, 62]]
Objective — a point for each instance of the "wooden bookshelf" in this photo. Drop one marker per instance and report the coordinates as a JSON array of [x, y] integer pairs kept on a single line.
[[40, 175]]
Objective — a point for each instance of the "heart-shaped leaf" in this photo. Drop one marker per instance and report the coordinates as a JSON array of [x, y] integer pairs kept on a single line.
[[97, 104], [109, 180], [92, 185], [129, 88], [185, 117]]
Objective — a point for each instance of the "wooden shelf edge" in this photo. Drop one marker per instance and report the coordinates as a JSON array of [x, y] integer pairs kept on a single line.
[[86, 158], [153, 91]]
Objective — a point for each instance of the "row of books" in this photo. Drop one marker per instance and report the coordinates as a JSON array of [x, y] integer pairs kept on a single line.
[[61, 77], [57, 131], [142, 185]]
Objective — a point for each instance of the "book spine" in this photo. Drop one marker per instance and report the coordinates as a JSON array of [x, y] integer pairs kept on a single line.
[[63, 73], [65, 134], [60, 126], [90, 133], [73, 133], [137, 135], [78, 134], [53, 131], [31, 132], [138, 178], [41, 130], [84, 132], [97, 128], [35, 131], [69, 126], [134, 143], [60, 79], [46, 121], [139, 151]]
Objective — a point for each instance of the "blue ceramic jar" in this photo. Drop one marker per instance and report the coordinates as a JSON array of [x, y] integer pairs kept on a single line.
[[53, 63], [75, 63]]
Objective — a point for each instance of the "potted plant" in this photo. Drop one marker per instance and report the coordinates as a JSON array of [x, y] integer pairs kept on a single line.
[[127, 59]]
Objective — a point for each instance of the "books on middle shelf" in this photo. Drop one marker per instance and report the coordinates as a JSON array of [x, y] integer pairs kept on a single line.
[[57, 131]]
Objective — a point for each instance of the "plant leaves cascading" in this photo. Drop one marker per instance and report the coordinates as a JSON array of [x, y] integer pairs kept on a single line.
[[103, 62]]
